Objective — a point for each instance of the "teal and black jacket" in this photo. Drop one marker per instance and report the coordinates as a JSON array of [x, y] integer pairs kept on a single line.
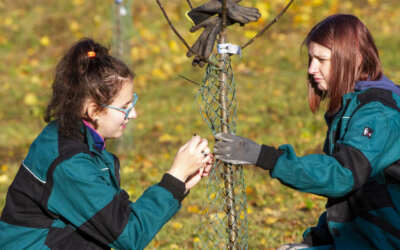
[[67, 195], [362, 144]]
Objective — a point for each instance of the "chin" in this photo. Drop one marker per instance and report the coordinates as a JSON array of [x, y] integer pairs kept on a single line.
[[114, 136], [322, 87]]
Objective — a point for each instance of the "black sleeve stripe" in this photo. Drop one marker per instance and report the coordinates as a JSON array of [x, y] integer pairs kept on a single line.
[[268, 157], [117, 169], [353, 159], [22, 204], [174, 185], [107, 224]]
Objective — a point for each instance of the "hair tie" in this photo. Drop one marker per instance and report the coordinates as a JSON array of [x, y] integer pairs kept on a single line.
[[91, 54]]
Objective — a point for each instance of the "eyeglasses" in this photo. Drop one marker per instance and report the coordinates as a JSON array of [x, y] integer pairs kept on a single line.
[[125, 111]]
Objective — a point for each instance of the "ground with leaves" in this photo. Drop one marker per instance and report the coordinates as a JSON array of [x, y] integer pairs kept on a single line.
[[272, 105]]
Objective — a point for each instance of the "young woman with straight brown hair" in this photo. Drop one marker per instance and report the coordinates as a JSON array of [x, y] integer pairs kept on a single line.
[[357, 172]]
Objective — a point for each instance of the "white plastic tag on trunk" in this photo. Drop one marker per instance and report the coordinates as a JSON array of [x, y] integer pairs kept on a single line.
[[228, 48]]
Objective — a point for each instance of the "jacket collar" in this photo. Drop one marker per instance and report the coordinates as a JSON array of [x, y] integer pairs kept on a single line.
[[383, 83], [94, 139]]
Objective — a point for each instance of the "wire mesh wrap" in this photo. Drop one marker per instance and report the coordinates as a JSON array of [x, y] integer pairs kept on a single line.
[[225, 216]]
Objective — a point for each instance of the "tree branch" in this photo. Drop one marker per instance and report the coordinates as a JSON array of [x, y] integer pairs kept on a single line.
[[267, 26], [180, 37], [189, 80], [190, 4]]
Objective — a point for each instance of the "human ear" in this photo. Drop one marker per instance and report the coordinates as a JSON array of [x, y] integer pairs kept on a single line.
[[91, 110]]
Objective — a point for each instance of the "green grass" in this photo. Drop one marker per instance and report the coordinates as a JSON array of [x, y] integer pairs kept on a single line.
[[271, 95]]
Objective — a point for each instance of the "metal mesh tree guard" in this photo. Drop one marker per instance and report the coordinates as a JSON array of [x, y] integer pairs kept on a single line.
[[225, 216], [226, 210]]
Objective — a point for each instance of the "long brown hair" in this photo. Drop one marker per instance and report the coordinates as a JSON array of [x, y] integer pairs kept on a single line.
[[87, 70], [354, 58]]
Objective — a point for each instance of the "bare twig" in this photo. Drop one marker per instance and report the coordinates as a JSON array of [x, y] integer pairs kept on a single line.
[[180, 37], [268, 25], [190, 4], [189, 80], [223, 12]]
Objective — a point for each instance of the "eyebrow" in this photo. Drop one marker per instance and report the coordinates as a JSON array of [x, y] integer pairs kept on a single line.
[[320, 56]]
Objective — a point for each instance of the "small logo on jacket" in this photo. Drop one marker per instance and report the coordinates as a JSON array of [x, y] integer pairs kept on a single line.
[[368, 132]]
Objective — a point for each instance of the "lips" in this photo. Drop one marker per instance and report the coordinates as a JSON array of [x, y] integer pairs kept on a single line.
[[317, 79]]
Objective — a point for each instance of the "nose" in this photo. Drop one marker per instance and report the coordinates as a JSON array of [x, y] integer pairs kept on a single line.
[[313, 67], [132, 114]]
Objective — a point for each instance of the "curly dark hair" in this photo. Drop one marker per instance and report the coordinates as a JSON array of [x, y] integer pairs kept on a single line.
[[79, 76]]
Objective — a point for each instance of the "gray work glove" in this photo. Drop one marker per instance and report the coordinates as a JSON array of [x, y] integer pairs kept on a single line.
[[204, 17], [235, 12], [235, 149], [205, 43]]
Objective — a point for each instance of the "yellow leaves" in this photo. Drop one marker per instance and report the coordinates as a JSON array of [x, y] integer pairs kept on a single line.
[[219, 215], [131, 191], [250, 33], [301, 18], [33, 62], [249, 190], [306, 136], [155, 48], [194, 209], [74, 26], [8, 21], [147, 34], [78, 2], [44, 41], [277, 92], [137, 53], [316, 3], [127, 170], [31, 51], [139, 126], [386, 28], [174, 246], [30, 99], [264, 8], [4, 168], [167, 138], [158, 73], [263, 241], [176, 225], [97, 19], [35, 79], [271, 220], [173, 46], [166, 156], [179, 128], [3, 178], [3, 40], [254, 119], [278, 199]]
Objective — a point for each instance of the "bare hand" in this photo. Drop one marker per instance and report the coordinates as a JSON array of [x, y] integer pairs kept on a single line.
[[192, 180], [190, 158]]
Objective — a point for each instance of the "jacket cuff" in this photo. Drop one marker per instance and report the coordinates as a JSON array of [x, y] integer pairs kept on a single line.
[[268, 157], [174, 185]]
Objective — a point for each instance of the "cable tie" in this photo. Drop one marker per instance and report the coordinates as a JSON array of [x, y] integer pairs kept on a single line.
[[228, 48]]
